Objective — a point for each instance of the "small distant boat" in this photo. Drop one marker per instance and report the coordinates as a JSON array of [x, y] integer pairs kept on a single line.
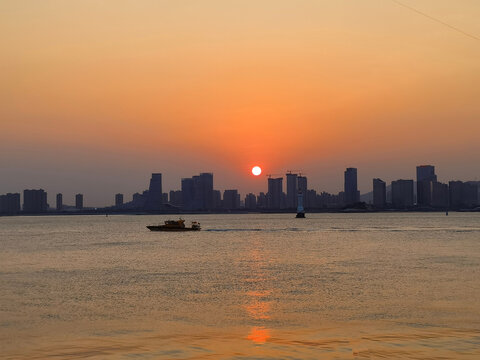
[[175, 225]]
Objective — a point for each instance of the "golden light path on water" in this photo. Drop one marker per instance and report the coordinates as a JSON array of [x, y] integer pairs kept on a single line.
[[252, 286]]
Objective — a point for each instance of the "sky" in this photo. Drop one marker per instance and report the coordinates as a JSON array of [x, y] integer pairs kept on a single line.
[[97, 95]]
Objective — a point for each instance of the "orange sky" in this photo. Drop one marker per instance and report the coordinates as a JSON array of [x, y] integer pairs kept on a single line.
[[96, 95]]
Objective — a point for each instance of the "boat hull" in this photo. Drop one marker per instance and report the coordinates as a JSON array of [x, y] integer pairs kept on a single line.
[[163, 228]]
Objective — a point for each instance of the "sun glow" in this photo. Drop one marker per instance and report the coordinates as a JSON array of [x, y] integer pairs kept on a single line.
[[256, 170]]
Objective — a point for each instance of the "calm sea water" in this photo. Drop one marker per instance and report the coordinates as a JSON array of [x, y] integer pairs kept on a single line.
[[332, 286]]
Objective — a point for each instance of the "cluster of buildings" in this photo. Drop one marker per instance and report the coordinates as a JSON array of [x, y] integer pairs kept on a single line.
[[197, 194], [426, 193]]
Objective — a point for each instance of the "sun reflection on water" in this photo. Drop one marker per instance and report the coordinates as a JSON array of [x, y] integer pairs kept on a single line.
[[258, 306], [259, 334]]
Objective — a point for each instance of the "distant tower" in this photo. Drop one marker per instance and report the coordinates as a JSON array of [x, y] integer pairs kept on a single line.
[[79, 201], [34, 201], [154, 197], [402, 194], [379, 193], [425, 177], [292, 187], [118, 200], [59, 202], [274, 195], [351, 189]]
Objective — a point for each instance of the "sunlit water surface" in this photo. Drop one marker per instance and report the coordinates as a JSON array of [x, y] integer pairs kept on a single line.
[[332, 286]]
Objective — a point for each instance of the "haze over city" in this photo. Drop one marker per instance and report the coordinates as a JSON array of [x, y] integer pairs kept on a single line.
[[95, 96]]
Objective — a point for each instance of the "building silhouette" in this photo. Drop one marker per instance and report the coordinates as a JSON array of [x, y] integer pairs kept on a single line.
[[203, 192], [217, 199], [350, 187], [439, 195], [250, 201], [292, 189], [402, 194], [154, 198], [198, 193], [311, 201], [10, 204], [34, 201], [302, 187], [188, 192], [275, 193], [230, 200], [79, 201], [59, 202], [379, 193], [262, 202], [118, 200], [176, 198], [425, 177], [463, 194]]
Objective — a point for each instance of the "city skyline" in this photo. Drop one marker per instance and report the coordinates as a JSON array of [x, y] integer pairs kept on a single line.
[[199, 193], [186, 87]]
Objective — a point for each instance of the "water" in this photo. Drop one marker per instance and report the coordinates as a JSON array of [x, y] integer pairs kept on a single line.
[[332, 286]]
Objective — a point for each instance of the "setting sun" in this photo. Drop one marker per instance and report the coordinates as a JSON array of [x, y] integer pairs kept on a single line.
[[256, 170]]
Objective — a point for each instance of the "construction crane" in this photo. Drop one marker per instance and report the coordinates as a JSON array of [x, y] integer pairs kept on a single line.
[[298, 172], [270, 175]]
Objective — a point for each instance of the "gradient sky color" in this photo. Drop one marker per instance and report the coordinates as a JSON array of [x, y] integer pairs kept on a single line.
[[96, 95]]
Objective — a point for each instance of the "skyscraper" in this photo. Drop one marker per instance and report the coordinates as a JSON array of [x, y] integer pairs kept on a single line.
[[59, 202], [402, 194], [79, 201], [197, 192], [250, 202], [379, 194], [274, 195], [187, 193], [35, 201], [425, 177], [351, 189], [154, 201], [302, 186], [292, 189], [203, 191], [230, 199], [118, 200]]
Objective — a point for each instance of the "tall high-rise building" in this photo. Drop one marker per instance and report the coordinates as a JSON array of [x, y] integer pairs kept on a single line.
[[302, 186], [275, 193], [262, 202], [198, 193], [187, 193], [34, 201], [379, 194], [292, 189], [250, 202], [351, 188], [425, 177], [203, 191], [10, 204], [154, 201], [311, 199], [59, 202], [230, 199], [402, 194], [118, 200], [79, 201]]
